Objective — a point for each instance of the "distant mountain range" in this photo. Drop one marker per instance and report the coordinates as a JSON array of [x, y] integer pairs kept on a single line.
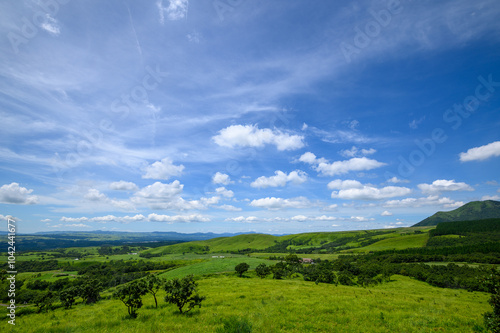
[[475, 210]]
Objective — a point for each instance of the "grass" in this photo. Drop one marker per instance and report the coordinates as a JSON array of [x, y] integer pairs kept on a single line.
[[213, 266], [403, 305], [398, 243]]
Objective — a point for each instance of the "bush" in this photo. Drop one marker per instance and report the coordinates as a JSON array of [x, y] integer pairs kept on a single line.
[[182, 292], [235, 324]]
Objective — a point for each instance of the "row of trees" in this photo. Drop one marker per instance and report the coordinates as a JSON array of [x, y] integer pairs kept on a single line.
[[367, 270]]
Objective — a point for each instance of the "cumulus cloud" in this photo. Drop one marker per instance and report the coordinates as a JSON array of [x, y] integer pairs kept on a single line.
[[252, 136], [15, 194], [481, 153], [491, 197], [221, 178], [443, 185], [74, 219], [224, 192], [168, 196], [95, 195], [230, 208], [273, 203], [354, 190], [325, 168], [356, 152], [123, 186], [163, 169], [177, 218], [432, 200], [280, 179], [386, 213], [396, 180]]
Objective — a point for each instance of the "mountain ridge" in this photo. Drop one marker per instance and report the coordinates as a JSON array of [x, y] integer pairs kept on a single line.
[[474, 210]]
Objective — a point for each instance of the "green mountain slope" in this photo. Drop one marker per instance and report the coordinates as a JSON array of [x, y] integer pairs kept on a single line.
[[319, 242], [475, 210]]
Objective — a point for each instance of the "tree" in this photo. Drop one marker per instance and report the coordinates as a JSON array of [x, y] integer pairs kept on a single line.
[[90, 290], [43, 300], [241, 268], [153, 284], [279, 270], [492, 319], [182, 292], [262, 270], [131, 295], [68, 296]]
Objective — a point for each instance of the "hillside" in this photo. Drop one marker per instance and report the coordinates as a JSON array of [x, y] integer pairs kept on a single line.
[[316, 242], [475, 210]]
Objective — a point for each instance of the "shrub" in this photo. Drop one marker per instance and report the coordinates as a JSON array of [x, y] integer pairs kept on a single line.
[[235, 324]]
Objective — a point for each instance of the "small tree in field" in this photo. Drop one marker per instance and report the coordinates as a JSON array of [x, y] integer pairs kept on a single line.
[[90, 290], [131, 295], [182, 292], [492, 319], [67, 296], [241, 268], [262, 270], [153, 284], [43, 300]]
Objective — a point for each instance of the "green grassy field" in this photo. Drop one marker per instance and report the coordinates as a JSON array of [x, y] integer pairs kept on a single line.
[[397, 243], [214, 266], [403, 305]]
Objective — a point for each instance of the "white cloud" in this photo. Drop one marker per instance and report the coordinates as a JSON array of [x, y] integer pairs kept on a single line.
[[176, 10], [8, 217], [310, 158], [322, 166], [242, 219], [342, 167], [163, 169], [443, 185], [224, 192], [95, 195], [396, 180], [356, 152], [339, 184], [51, 25], [491, 197], [371, 193], [432, 200], [119, 219], [74, 225], [481, 153], [386, 213], [123, 186], [280, 179], [252, 136], [74, 219], [160, 191], [177, 218], [230, 208], [15, 194], [221, 178], [354, 190], [280, 203]]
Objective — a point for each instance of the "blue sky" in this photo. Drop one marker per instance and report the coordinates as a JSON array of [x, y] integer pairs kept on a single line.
[[237, 116]]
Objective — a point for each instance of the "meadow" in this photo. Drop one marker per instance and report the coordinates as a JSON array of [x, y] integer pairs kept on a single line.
[[402, 305]]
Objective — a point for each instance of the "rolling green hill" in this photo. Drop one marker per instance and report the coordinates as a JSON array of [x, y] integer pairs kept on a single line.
[[317, 242], [475, 210]]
